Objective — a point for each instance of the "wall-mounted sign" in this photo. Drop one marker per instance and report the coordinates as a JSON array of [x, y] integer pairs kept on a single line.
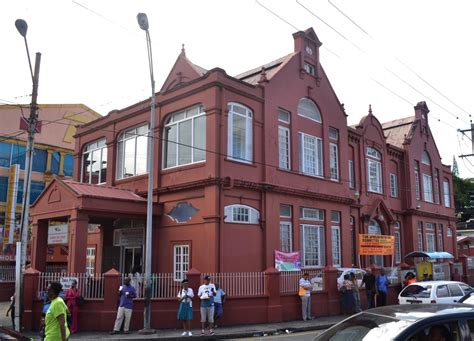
[[376, 245], [128, 237], [58, 233]]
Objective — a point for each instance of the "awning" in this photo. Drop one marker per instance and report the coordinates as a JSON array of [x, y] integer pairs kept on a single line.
[[432, 255]]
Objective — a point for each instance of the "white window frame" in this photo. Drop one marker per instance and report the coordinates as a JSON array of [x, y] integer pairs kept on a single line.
[[282, 215], [398, 245], [427, 188], [247, 114], [178, 119], [309, 68], [440, 238], [334, 161], [425, 158], [437, 188], [286, 238], [241, 214], [449, 232], [393, 185], [90, 260], [312, 246], [374, 176], [122, 139], [420, 236], [312, 214], [351, 174], [304, 104], [430, 237], [336, 245], [284, 151], [284, 116], [417, 181], [311, 155], [446, 194], [99, 146], [181, 261]]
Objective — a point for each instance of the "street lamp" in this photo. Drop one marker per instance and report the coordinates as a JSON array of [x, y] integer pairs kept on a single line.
[[22, 28], [143, 23]]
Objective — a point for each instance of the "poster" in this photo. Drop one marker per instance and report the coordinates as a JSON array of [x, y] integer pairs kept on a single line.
[[287, 261], [376, 245], [58, 233]]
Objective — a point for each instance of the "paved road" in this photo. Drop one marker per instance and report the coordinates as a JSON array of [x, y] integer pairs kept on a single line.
[[304, 336]]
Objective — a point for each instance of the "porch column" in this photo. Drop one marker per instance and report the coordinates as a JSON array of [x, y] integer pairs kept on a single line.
[[77, 243], [39, 244]]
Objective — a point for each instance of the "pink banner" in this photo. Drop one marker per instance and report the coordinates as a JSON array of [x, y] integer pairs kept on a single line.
[[287, 261]]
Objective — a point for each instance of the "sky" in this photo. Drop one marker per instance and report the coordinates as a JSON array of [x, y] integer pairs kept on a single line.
[[390, 54]]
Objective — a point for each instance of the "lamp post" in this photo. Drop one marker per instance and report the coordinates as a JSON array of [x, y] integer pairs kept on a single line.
[[22, 28], [143, 23]]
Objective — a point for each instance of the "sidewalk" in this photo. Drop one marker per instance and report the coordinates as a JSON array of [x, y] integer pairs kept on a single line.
[[230, 332]]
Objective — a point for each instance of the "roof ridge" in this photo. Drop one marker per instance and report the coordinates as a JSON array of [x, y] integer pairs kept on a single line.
[[258, 69], [101, 186]]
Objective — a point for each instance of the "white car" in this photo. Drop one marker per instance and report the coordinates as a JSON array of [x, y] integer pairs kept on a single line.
[[359, 273], [442, 292]]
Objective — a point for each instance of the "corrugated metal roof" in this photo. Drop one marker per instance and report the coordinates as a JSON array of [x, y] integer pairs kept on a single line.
[[100, 191], [397, 131], [252, 76]]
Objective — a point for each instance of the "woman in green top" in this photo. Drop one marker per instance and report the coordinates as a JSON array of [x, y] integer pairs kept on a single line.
[[55, 321]]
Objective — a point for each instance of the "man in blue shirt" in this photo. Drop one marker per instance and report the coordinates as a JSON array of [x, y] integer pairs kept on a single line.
[[127, 293], [381, 285]]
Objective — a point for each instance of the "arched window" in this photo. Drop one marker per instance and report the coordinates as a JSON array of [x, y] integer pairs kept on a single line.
[[425, 158], [185, 137], [94, 162], [308, 109], [132, 150], [398, 246], [374, 228], [374, 170], [241, 214], [240, 133]]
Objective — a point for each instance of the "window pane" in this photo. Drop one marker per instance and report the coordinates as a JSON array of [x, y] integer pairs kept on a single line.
[[19, 155], [68, 164], [171, 146], [129, 162], [308, 109], [55, 159], [285, 211], [40, 158], [86, 167], [103, 170], [5, 154], [284, 147], [238, 136], [185, 142], [283, 116], [200, 138], [120, 160], [141, 156], [3, 188], [95, 166], [36, 189]]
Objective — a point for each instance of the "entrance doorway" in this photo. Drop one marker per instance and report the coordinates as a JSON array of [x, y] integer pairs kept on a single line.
[[132, 259]]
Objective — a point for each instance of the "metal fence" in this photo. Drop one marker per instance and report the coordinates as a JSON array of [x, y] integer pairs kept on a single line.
[[162, 285], [238, 284], [56, 268], [90, 286], [7, 273], [289, 280]]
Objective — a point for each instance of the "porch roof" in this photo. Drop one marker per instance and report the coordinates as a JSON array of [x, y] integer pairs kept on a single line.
[[99, 191]]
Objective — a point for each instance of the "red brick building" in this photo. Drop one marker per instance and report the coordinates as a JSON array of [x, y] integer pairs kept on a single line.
[[247, 165]]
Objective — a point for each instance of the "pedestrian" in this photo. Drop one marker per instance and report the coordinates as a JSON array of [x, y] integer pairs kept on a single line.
[[381, 285], [456, 275], [11, 309], [55, 320], [369, 282], [409, 278], [185, 311], [126, 293], [355, 292], [219, 300], [305, 295], [347, 295], [206, 293], [72, 295]]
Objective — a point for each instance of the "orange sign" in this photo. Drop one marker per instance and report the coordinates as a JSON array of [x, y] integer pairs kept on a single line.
[[376, 245]]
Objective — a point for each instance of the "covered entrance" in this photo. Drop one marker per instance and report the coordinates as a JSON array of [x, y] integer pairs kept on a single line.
[[104, 227]]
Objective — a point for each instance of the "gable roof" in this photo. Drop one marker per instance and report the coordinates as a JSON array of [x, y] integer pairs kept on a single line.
[[271, 68], [99, 191], [400, 130]]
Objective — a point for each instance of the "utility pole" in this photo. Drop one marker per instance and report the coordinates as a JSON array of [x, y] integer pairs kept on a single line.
[[472, 140], [25, 210]]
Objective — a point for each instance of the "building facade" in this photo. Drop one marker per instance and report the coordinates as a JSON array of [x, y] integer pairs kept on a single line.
[[245, 165], [53, 156]]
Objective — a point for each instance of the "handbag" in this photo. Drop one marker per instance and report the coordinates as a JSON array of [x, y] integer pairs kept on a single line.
[[80, 300], [302, 291]]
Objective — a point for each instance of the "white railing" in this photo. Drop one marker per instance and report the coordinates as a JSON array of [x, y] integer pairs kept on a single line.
[[56, 268], [162, 285], [7, 273], [289, 280], [237, 284], [90, 286]]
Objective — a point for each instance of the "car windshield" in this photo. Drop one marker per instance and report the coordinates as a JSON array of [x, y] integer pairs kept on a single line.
[[365, 326], [416, 290]]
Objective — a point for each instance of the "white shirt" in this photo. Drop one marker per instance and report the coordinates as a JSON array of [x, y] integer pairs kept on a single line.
[[190, 294], [206, 289], [307, 285]]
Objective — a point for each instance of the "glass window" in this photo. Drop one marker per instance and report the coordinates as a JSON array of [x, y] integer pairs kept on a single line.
[[240, 133], [398, 248], [19, 155], [425, 158], [449, 232], [55, 161], [374, 228], [185, 137], [3, 188], [35, 191], [334, 161], [447, 195], [242, 214], [374, 176], [94, 161], [309, 68], [5, 154], [40, 159], [285, 237], [427, 188], [308, 109], [393, 185], [336, 246], [417, 181], [285, 211], [440, 238], [430, 238], [436, 189], [284, 147], [68, 164], [311, 214], [442, 291], [312, 245], [90, 260], [180, 261], [455, 290], [420, 236], [284, 116], [132, 152], [351, 174], [311, 155], [333, 134]]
